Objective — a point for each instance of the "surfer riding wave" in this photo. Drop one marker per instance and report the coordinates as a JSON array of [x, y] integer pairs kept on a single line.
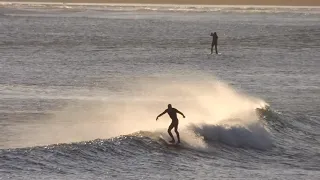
[[175, 122]]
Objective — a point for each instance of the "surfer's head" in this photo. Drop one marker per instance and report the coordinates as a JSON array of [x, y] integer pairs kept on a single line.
[[169, 106]]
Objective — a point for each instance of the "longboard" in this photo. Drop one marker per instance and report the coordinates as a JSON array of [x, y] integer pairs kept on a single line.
[[167, 142]]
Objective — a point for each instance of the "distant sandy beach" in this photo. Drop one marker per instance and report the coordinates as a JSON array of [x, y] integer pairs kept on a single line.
[[200, 2]]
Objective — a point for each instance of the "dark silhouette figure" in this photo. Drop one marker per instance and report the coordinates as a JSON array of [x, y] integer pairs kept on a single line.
[[214, 42], [175, 122]]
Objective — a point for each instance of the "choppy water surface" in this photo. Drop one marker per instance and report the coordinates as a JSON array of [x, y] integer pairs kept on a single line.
[[81, 86]]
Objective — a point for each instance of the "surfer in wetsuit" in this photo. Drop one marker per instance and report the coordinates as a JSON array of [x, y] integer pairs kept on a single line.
[[175, 122], [214, 42]]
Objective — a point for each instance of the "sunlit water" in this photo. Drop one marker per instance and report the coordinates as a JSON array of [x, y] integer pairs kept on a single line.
[[81, 86]]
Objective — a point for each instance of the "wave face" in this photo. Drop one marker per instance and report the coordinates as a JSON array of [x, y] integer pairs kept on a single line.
[[144, 152], [81, 86], [268, 141]]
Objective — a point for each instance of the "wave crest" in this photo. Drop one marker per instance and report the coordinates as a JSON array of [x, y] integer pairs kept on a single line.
[[253, 136]]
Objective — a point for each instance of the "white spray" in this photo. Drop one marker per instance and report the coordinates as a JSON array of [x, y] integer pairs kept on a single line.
[[204, 103]]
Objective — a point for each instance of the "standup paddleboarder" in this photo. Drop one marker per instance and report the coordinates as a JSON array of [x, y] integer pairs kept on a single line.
[[214, 42]]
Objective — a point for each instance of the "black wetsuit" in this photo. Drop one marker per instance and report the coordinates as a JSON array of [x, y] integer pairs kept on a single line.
[[174, 123], [214, 42], [173, 115]]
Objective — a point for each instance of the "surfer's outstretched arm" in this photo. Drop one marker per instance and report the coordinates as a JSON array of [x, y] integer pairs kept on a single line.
[[161, 114], [180, 113]]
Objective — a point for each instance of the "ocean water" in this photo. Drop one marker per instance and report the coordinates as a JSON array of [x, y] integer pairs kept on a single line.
[[81, 86]]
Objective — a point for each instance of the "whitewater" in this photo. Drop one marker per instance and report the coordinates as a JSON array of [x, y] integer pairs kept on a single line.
[[82, 84]]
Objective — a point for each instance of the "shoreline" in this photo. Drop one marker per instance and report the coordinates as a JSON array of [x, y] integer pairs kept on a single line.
[[166, 3]]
